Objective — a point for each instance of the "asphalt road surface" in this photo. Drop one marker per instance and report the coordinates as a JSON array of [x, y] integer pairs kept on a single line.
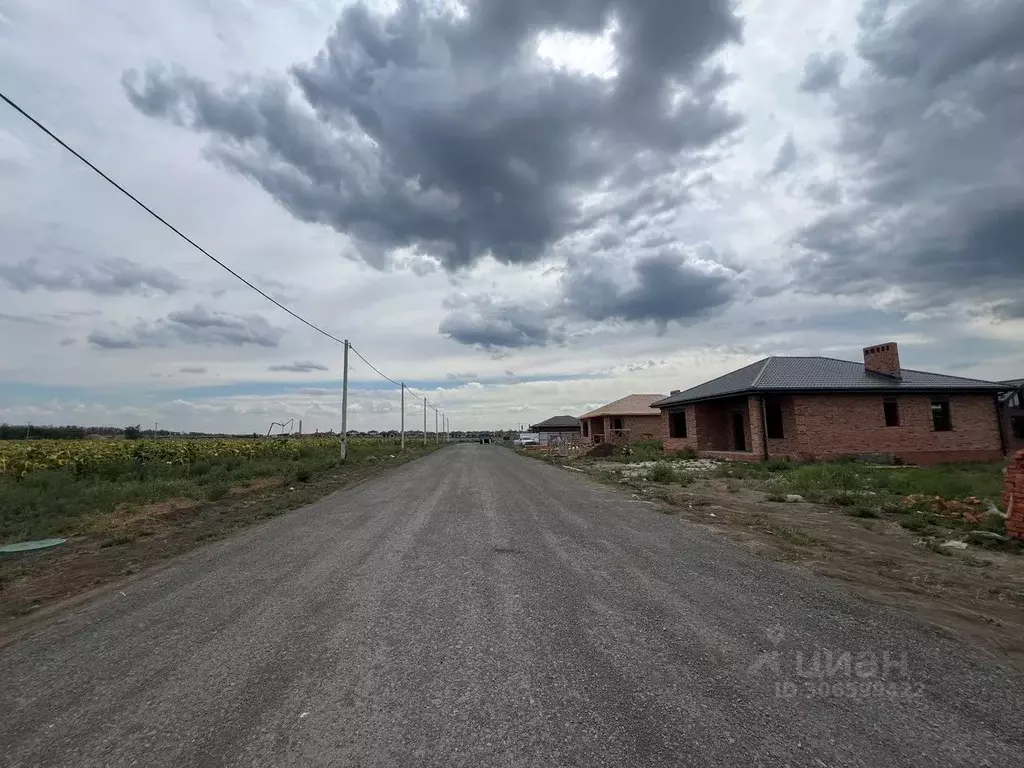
[[475, 608]]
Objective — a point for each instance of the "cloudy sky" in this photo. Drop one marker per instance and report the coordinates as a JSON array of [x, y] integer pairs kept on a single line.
[[519, 208]]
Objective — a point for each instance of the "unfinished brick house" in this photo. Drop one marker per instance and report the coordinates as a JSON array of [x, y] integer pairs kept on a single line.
[[820, 407], [628, 419], [1012, 403]]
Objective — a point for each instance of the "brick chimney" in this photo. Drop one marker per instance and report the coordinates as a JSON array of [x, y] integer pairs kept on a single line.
[[883, 359]]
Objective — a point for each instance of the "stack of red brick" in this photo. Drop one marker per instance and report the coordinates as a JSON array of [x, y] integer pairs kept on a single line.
[[1013, 496]]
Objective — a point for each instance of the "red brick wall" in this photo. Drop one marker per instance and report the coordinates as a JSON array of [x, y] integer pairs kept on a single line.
[[640, 427], [714, 424], [643, 427], [1013, 496], [755, 426], [838, 425], [713, 427], [673, 444], [789, 443]]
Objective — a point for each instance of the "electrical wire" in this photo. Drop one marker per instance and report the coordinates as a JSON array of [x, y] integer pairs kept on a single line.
[[38, 124], [374, 368], [383, 375], [161, 219]]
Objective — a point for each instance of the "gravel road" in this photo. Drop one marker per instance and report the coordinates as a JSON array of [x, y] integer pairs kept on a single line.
[[475, 608]]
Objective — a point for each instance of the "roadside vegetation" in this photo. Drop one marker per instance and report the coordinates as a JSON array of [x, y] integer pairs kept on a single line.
[[123, 505], [67, 488], [937, 504]]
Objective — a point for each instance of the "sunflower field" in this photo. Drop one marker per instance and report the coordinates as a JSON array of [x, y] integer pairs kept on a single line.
[[19, 458]]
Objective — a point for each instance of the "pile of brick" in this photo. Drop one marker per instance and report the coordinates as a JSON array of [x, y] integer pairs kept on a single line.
[[1013, 496]]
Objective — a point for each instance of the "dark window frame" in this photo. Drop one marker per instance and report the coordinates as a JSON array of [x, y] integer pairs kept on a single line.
[[942, 415], [617, 423], [1017, 427], [586, 428], [891, 411], [773, 419], [675, 419]]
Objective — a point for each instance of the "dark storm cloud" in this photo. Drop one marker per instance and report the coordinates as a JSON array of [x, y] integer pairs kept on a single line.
[[304, 367], [106, 278], [197, 326], [822, 71], [445, 133], [659, 288], [931, 134], [786, 158], [492, 325], [1010, 310]]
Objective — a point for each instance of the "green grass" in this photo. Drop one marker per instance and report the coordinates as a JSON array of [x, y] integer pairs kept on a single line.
[[56, 503], [949, 481], [662, 472], [846, 483], [644, 450]]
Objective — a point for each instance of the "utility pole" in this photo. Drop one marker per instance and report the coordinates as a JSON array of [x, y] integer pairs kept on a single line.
[[424, 421], [436, 440], [344, 407], [403, 415]]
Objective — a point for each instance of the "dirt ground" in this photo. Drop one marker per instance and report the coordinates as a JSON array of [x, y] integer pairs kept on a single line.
[[140, 538], [976, 594]]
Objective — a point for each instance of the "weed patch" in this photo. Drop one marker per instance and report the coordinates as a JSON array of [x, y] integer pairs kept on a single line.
[[662, 472]]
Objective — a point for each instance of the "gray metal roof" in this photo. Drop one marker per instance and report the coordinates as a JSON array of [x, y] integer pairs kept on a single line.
[[558, 422], [822, 374], [1015, 383]]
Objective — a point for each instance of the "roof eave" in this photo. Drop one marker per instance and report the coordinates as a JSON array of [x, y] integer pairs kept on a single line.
[[909, 390], [619, 413]]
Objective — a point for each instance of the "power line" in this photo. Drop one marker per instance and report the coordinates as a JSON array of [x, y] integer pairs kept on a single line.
[[162, 220], [14, 105], [374, 368]]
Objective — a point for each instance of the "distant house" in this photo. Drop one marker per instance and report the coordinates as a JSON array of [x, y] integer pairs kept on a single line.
[[1012, 403], [820, 407], [568, 425], [629, 419]]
